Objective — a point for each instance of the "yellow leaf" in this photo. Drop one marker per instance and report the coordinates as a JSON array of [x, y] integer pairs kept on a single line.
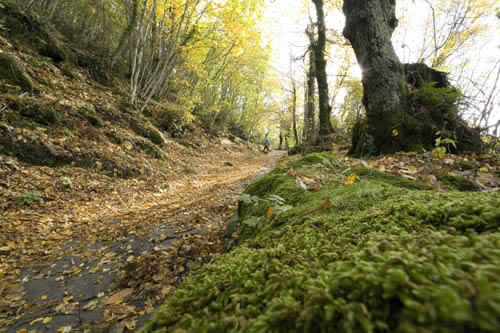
[[44, 297], [67, 233], [484, 169], [149, 308], [11, 244], [351, 179], [22, 330], [47, 320], [90, 305], [395, 132], [119, 296], [33, 322], [269, 213], [64, 329]]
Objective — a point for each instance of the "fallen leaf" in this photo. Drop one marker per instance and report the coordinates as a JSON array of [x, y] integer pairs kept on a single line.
[[130, 324], [351, 179], [269, 213], [148, 308], [47, 320], [33, 322], [90, 305], [118, 297]]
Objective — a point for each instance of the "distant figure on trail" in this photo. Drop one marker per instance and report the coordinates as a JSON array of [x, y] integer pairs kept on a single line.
[[267, 144]]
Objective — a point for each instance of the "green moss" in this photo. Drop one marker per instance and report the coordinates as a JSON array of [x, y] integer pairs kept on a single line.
[[466, 165], [13, 71], [37, 110], [282, 185], [458, 183], [383, 256], [437, 99], [375, 175], [152, 150], [312, 159], [147, 132]]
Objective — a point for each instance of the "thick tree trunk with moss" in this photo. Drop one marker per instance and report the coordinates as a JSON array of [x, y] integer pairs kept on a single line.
[[369, 27], [407, 106]]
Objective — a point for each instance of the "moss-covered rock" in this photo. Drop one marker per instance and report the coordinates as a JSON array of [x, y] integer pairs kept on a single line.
[[14, 72], [33, 150], [151, 149], [379, 255], [146, 131], [38, 110]]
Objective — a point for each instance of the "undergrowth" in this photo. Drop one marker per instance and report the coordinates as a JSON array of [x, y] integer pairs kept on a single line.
[[380, 255]]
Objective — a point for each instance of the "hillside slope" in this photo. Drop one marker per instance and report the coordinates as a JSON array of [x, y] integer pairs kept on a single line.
[[87, 182]]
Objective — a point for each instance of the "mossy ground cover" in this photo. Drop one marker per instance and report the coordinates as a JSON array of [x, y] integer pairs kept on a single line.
[[382, 254]]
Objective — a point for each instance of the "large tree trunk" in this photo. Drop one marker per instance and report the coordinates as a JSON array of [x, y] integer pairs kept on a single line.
[[369, 27], [395, 118], [318, 48]]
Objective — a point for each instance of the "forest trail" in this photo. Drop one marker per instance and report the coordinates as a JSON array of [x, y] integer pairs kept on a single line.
[[109, 268]]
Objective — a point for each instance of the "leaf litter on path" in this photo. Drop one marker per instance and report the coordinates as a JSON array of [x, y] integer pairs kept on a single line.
[[111, 255]]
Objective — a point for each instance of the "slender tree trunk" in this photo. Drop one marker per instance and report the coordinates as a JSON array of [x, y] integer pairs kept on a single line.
[[294, 112], [309, 103], [369, 27], [318, 48], [125, 38]]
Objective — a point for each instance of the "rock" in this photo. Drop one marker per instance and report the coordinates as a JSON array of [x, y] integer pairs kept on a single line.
[[14, 72]]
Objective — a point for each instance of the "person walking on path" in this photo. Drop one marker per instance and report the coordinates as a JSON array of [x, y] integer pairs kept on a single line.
[[267, 145]]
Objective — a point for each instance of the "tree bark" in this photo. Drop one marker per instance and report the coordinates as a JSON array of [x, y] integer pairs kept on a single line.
[[294, 112], [318, 48], [309, 103], [124, 39], [369, 27]]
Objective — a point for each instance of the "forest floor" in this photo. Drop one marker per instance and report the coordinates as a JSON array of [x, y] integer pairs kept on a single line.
[[103, 259]]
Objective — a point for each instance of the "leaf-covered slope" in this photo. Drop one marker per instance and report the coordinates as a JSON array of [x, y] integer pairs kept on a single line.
[[372, 253]]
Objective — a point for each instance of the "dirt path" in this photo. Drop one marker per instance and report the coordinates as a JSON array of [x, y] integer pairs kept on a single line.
[[117, 264]]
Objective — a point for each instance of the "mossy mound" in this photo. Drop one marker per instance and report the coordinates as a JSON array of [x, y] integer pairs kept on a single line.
[[458, 183], [14, 72], [148, 132], [35, 110], [378, 255]]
